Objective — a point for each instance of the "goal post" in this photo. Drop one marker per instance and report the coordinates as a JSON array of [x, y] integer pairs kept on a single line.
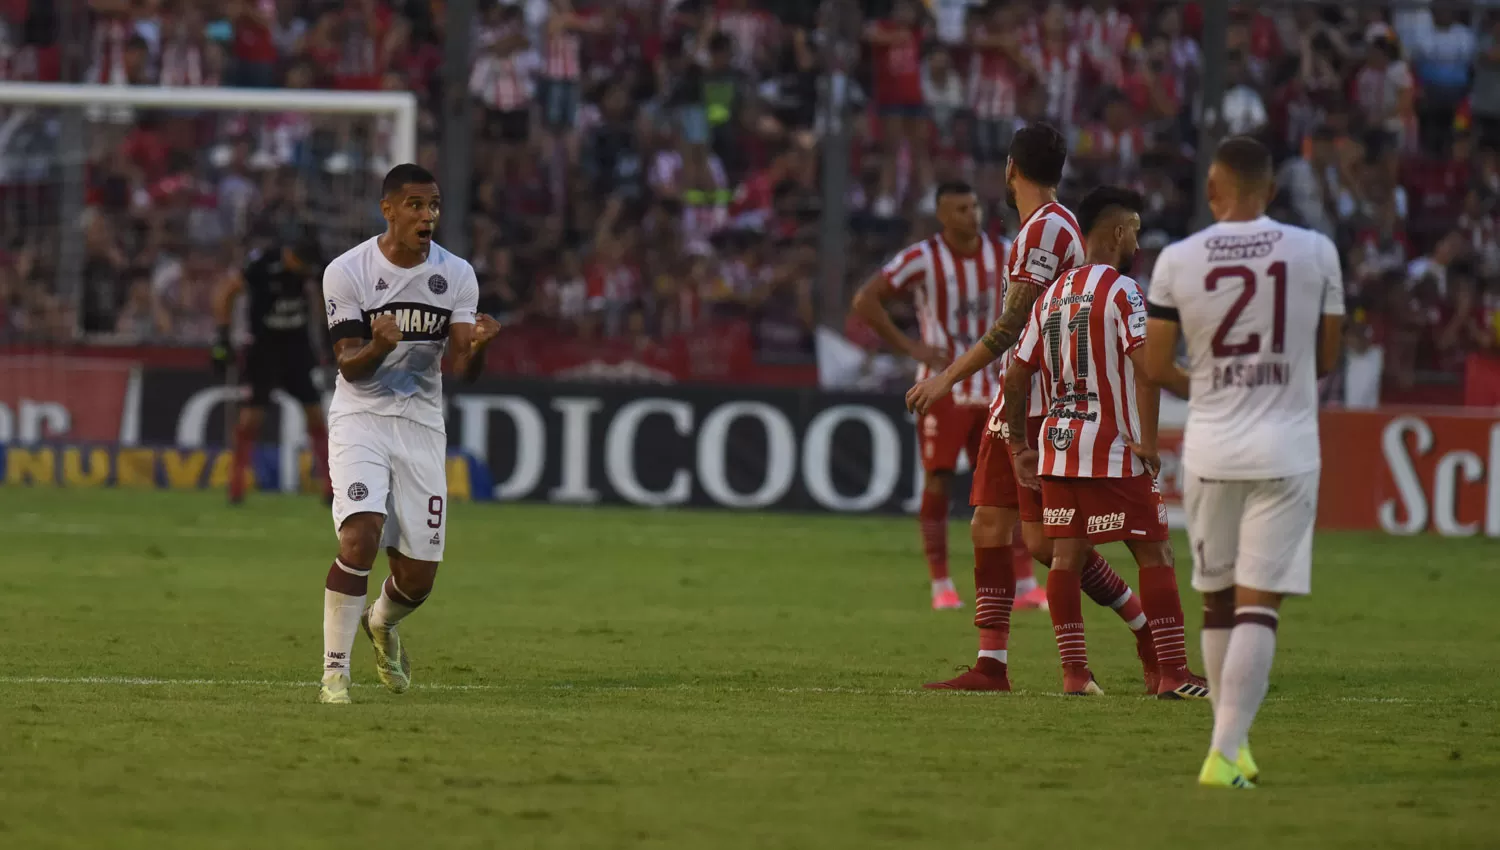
[[401, 106], [122, 209]]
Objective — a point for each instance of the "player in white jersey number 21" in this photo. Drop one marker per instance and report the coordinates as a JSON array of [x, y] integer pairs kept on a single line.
[[1261, 306], [395, 304]]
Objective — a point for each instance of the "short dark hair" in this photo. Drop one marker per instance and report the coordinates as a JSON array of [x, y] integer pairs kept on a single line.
[[403, 175], [1245, 158], [1039, 152], [1103, 199], [953, 187]]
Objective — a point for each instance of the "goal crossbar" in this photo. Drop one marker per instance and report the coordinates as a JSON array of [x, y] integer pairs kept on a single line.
[[402, 106]]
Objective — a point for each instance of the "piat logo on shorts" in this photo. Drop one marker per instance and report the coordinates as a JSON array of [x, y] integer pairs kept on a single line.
[[1161, 512], [438, 284], [1060, 438], [1100, 523], [998, 425], [1058, 516], [358, 492]]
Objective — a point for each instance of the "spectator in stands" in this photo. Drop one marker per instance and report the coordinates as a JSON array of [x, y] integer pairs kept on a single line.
[[896, 52], [1243, 109], [1312, 183], [1385, 92], [942, 91], [1441, 54]]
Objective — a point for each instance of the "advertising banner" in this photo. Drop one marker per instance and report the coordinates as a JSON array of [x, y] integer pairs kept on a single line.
[[1397, 471]]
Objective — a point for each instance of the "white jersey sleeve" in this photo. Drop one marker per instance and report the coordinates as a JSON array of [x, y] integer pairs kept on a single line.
[[1333, 277], [346, 319], [466, 297]]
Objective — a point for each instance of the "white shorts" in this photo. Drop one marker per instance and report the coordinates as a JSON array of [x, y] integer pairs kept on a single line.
[[394, 467], [1255, 534]]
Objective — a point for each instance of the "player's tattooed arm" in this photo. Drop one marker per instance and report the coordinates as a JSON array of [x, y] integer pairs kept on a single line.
[[358, 359], [1018, 303]]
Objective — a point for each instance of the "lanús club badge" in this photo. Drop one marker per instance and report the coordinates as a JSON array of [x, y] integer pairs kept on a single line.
[[358, 492], [438, 284]]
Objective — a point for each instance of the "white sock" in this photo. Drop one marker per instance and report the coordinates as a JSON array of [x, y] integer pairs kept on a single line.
[[1215, 644], [1025, 585], [389, 611], [999, 655], [1245, 677], [940, 585], [341, 623]]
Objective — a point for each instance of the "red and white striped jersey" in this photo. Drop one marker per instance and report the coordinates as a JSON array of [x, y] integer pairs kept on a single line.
[[563, 51], [995, 85], [958, 298], [1048, 244], [182, 64], [1060, 73], [503, 83], [1107, 38], [1081, 333]]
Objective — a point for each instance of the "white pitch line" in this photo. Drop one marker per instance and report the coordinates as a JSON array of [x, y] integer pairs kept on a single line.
[[143, 681]]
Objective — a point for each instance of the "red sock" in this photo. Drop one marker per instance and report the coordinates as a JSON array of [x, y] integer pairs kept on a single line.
[[1065, 603], [244, 442], [1108, 590], [934, 521], [317, 442], [994, 593], [1020, 556], [1164, 610]]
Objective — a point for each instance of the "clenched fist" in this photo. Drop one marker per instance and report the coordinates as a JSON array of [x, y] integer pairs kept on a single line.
[[385, 331], [486, 328]]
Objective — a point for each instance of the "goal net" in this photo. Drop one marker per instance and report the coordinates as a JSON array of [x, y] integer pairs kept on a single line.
[[122, 207]]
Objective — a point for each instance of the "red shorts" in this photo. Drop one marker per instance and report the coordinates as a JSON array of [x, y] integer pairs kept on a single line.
[[947, 428], [1104, 510], [995, 484]]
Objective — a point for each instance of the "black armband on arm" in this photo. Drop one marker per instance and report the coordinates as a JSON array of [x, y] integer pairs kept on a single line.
[[348, 329], [1157, 311]]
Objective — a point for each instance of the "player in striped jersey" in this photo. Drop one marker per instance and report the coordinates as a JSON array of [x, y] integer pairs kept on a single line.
[[1260, 305], [956, 278], [1048, 243], [1097, 455]]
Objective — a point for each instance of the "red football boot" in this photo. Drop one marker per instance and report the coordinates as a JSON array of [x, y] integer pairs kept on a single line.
[[1145, 649], [987, 674], [1182, 684], [1080, 682]]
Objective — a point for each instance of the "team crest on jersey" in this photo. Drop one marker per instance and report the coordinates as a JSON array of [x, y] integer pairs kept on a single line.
[[1060, 438], [382, 285], [332, 307], [358, 492], [438, 284]]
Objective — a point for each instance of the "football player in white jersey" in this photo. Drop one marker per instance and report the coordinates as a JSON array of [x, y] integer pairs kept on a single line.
[[395, 303], [1261, 307]]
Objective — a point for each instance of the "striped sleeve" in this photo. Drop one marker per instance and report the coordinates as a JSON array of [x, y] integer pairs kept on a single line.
[[1029, 347], [908, 266], [1041, 251], [1128, 311]]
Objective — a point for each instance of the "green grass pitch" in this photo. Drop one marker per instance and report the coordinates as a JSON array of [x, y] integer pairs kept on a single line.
[[621, 679]]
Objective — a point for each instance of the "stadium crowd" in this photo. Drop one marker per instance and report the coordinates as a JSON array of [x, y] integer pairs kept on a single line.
[[644, 165]]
